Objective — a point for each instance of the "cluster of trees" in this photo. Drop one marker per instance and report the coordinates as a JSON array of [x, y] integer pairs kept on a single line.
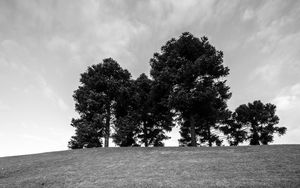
[[187, 88]]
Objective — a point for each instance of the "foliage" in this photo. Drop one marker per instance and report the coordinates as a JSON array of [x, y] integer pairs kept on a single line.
[[153, 118], [87, 134], [126, 132], [261, 120], [191, 72], [236, 133], [143, 122], [188, 88], [100, 98]]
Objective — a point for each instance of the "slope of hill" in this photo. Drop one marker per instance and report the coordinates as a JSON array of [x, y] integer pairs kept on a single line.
[[255, 166]]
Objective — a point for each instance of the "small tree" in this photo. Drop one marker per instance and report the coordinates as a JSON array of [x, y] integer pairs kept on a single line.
[[126, 131], [88, 134], [235, 132], [260, 119]]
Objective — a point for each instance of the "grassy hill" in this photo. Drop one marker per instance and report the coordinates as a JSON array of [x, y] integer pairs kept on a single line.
[[256, 166]]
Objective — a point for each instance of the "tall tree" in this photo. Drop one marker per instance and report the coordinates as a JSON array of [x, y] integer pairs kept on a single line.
[[153, 118], [191, 73], [99, 96], [146, 120], [126, 124], [260, 120]]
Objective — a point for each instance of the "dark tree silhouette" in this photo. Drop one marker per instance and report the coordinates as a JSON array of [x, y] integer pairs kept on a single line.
[[153, 119], [260, 120], [235, 132], [99, 99], [126, 131], [126, 124], [146, 119], [188, 87], [190, 73], [87, 134]]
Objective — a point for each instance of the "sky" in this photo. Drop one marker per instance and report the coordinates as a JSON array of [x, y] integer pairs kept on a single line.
[[46, 45]]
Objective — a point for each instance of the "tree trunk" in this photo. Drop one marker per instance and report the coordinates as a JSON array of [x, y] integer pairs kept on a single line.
[[193, 132], [145, 135], [209, 136], [255, 136], [255, 139], [107, 127]]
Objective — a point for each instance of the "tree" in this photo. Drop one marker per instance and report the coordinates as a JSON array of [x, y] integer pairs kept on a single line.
[[260, 120], [126, 124], [99, 98], [88, 134], [235, 132], [146, 119], [153, 118], [190, 72], [126, 131]]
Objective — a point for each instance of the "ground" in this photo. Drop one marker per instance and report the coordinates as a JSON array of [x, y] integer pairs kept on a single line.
[[244, 166]]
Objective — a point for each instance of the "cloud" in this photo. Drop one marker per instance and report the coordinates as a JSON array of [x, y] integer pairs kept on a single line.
[[13, 54], [4, 107], [51, 94], [248, 14], [288, 106], [268, 73], [285, 102], [3, 61], [86, 33], [288, 98], [275, 20], [281, 65], [279, 50]]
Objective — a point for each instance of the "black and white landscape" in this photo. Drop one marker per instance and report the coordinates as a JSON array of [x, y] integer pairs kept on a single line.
[[149, 93]]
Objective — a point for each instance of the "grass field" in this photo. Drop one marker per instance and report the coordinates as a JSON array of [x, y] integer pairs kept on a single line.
[[256, 166]]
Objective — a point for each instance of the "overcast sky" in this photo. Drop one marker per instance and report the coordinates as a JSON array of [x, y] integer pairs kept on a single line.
[[45, 45]]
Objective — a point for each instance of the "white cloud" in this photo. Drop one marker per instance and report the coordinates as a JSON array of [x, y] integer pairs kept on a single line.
[[3, 61], [57, 43], [288, 98], [280, 58], [295, 89], [4, 107], [51, 94], [62, 104], [248, 14], [268, 72], [13, 54], [288, 108], [285, 102], [275, 21], [184, 13]]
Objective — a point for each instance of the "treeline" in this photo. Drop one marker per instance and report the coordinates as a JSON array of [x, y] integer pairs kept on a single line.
[[187, 88]]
